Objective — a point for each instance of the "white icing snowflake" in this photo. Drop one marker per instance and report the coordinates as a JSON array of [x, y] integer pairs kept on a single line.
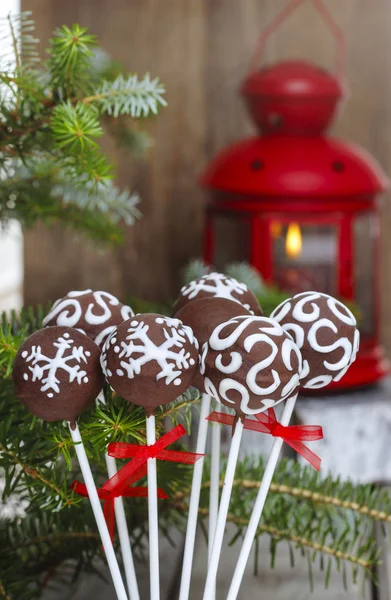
[[43, 368], [217, 285], [139, 349]]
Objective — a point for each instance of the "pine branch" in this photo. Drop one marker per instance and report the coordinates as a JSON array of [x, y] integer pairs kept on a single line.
[[75, 126], [69, 58], [51, 118], [301, 542], [129, 96], [3, 592], [35, 474]]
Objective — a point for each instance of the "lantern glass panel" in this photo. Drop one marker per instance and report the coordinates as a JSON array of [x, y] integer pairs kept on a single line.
[[232, 240], [364, 271], [304, 256]]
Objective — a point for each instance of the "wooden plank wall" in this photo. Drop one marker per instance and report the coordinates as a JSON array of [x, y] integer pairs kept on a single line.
[[200, 49]]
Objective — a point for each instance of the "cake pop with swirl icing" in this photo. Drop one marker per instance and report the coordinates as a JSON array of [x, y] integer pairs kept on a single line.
[[326, 332], [94, 313], [250, 364], [203, 316], [218, 285]]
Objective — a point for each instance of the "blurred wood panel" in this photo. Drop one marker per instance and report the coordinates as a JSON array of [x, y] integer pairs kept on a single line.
[[201, 49]]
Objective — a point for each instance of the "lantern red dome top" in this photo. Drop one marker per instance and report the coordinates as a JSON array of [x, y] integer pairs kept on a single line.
[[284, 166], [292, 97], [294, 79]]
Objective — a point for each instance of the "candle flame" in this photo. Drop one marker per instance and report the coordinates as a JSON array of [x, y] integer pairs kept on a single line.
[[293, 242]]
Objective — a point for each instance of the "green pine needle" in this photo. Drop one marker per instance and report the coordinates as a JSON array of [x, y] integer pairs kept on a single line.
[[74, 127], [129, 96]]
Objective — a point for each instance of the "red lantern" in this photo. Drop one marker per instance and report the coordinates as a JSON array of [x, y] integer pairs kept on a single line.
[[303, 207]]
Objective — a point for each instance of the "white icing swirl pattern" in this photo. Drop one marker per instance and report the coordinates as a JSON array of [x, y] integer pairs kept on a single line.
[[138, 349], [102, 313], [304, 318], [241, 360], [220, 286]]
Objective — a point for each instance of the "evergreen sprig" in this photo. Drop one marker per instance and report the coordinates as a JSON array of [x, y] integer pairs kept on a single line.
[[52, 116]]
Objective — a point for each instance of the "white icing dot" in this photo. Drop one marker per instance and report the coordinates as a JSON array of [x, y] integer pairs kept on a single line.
[[50, 395], [66, 335], [116, 349], [87, 353], [159, 321], [25, 377], [113, 340], [119, 372], [134, 323], [192, 361], [24, 354], [177, 381], [85, 379]]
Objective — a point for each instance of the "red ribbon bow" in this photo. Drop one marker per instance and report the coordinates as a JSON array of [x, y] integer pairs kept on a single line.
[[293, 435], [141, 454], [108, 494]]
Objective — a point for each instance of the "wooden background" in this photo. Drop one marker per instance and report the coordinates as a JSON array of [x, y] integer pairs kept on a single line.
[[200, 49]]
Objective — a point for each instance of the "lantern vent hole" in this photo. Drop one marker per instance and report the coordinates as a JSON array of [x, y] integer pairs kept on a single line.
[[275, 120], [257, 164], [338, 166]]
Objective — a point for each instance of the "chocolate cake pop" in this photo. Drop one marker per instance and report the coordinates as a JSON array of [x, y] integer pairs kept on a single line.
[[217, 285], [94, 313], [325, 331], [57, 373], [203, 316], [150, 360], [250, 364]]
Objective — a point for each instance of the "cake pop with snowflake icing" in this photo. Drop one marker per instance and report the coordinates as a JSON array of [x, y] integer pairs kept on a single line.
[[94, 313], [250, 364], [150, 360], [218, 285], [326, 332], [57, 373]]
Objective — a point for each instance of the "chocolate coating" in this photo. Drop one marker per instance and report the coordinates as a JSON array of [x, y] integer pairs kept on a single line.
[[203, 315], [94, 313], [325, 331], [150, 360], [217, 285], [57, 373], [250, 364]]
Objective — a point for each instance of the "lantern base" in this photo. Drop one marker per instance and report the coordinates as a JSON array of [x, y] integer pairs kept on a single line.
[[370, 366]]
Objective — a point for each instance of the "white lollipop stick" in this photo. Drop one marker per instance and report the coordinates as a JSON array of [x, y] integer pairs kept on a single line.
[[98, 513], [214, 490], [153, 515], [214, 484], [260, 503], [194, 500], [122, 528], [223, 512]]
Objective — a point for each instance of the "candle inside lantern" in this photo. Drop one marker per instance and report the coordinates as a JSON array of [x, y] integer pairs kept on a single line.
[[293, 241], [304, 257]]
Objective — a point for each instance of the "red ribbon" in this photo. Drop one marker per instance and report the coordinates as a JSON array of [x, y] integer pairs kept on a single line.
[[293, 435], [109, 494], [141, 454]]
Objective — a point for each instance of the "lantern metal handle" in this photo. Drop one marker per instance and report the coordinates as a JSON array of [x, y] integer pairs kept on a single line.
[[284, 14]]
